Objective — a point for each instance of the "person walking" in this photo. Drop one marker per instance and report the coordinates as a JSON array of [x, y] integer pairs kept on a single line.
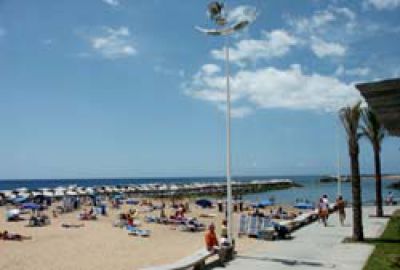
[[323, 211], [340, 204]]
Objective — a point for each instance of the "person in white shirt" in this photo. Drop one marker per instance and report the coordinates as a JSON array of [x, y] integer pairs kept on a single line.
[[323, 211]]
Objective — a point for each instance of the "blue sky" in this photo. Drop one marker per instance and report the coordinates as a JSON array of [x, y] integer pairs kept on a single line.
[[104, 88]]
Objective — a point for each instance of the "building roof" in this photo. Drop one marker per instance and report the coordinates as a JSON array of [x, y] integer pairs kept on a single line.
[[384, 99]]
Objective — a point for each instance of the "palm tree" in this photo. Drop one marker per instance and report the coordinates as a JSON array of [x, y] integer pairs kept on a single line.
[[373, 130], [350, 117]]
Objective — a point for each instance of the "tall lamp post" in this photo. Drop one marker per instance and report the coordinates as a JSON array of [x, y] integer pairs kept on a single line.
[[218, 15], [338, 157]]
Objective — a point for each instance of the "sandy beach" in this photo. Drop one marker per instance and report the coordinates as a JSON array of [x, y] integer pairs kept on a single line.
[[98, 245]]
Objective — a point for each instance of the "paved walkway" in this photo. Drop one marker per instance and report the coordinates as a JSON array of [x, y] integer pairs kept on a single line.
[[316, 247]]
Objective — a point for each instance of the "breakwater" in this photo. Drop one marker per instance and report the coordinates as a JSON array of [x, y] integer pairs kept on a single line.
[[156, 190]]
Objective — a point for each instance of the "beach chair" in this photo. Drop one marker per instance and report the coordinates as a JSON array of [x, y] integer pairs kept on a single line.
[[152, 219], [243, 224]]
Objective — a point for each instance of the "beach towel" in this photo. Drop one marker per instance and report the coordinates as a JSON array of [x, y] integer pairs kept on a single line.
[[254, 226]]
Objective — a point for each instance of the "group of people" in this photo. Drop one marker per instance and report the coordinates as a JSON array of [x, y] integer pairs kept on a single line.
[[211, 240], [129, 218], [237, 205], [278, 213], [323, 209], [39, 219]]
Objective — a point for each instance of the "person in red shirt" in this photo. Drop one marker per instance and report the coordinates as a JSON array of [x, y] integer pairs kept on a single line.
[[211, 239]]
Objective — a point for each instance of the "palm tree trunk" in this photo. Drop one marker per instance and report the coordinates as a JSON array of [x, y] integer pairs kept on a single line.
[[378, 182], [358, 234]]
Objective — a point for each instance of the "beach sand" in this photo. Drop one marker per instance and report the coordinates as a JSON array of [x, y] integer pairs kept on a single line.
[[100, 246]]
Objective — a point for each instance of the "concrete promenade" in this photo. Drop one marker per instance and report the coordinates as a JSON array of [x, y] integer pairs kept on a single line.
[[316, 247]]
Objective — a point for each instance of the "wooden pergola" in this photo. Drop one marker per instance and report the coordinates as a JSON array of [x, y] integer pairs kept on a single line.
[[384, 99]]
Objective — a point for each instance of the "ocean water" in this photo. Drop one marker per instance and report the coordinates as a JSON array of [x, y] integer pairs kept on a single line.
[[312, 189]]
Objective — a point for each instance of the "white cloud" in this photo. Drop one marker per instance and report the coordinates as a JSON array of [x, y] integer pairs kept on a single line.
[[113, 43], [359, 71], [113, 3], [325, 31], [241, 13], [322, 48], [274, 88], [383, 4], [276, 43], [321, 22], [210, 69]]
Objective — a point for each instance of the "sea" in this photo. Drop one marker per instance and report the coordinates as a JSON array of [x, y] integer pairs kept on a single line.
[[311, 189]]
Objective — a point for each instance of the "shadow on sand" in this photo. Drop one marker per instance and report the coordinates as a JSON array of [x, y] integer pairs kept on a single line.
[[289, 261]]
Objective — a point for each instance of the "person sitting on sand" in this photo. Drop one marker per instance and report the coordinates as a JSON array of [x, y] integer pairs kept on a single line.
[[211, 239], [87, 215], [13, 236], [130, 220], [67, 226]]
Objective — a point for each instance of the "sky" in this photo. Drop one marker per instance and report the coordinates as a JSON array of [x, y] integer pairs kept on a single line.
[[118, 88]]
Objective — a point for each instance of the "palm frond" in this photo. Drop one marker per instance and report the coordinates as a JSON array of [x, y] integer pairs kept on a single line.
[[350, 117], [371, 128]]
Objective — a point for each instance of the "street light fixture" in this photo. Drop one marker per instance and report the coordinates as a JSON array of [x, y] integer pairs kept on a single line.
[[217, 13]]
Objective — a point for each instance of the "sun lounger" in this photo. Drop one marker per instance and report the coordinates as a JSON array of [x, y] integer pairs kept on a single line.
[[136, 231], [151, 219]]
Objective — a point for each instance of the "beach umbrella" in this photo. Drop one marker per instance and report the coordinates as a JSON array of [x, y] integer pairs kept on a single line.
[[19, 199], [263, 203], [204, 203], [304, 205], [132, 201], [32, 206], [71, 193]]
